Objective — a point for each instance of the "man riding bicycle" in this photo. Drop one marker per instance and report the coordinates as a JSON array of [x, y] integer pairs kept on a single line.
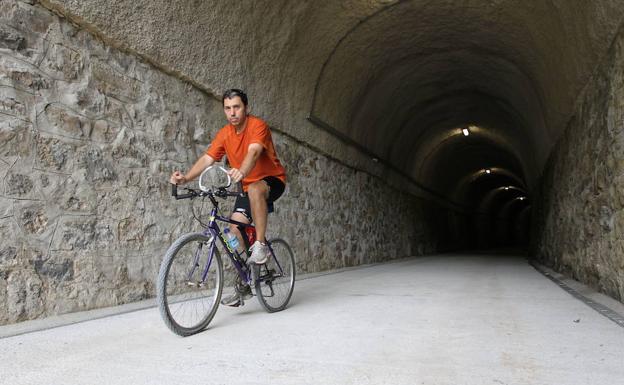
[[247, 142]]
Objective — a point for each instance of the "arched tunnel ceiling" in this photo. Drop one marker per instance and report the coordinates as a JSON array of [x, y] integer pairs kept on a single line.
[[406, 78], [396, 77]]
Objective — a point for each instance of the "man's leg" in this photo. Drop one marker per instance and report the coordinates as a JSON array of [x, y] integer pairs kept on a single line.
[[239, 217], [242, 290], [258, 193]]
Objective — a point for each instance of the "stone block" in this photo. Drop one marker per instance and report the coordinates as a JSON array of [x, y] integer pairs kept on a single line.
[[15, 137], [105, 236], [137, 292], [618, 223], [8, 254], [7, 9], [105, 265], [54, 269], [129, 151], [74, 233], [19, 185], [75, 196], [104, 131], [98, 168], [63, 62], [23, 293], [130, 230], [113, 83], [16, 102], [55, 154], [61, 120], [137, 269], [34, 218], [11, 39], [32, 19], [9, 226], [50, 184], [68, 296], [28, 79], [116, 205], [607, 220]]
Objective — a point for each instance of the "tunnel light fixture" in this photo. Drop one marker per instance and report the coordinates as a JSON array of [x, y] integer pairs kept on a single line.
[[506, 187], [375, 160], [522, 198], [465, 131], [488, 171]]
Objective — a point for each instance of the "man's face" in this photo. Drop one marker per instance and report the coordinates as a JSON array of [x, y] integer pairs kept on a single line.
[[235, 111]]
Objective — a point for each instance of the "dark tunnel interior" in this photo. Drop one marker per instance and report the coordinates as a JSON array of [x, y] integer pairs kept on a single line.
[[469, 109]]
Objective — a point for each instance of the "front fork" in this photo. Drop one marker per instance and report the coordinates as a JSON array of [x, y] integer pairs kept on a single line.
[[197, 258]]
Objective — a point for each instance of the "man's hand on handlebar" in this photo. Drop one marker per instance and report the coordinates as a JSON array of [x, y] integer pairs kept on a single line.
[[235, 174], [177, 178]]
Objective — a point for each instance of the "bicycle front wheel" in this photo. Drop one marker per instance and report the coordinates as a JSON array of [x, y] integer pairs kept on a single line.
[[275, 280], [188, 301]]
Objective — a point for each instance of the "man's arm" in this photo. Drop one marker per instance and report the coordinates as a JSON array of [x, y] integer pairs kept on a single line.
[[253, 153], [202, 163]]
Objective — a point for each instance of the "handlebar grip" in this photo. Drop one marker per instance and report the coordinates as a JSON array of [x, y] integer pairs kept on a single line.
[[190, 193]]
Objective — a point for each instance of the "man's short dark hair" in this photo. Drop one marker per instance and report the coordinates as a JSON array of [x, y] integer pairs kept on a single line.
[[232, 93]]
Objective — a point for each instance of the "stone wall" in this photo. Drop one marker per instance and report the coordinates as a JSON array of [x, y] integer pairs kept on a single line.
[[580, 215], [88, 137]]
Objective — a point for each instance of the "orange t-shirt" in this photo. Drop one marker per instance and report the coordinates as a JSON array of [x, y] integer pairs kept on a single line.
[[228, 142]]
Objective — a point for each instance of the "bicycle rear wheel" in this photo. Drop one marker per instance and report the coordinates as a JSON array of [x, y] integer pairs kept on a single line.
[[187, 303], [275, 280]]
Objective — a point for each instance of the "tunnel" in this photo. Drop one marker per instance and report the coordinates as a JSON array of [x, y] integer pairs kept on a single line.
[[407, 127], [462, 100]]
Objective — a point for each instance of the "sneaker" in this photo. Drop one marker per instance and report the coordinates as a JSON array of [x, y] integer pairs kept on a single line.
[[259, 253], [238, 297]]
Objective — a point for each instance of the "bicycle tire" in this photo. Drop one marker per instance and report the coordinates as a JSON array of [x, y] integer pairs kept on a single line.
[[176, 293], [274, 293]]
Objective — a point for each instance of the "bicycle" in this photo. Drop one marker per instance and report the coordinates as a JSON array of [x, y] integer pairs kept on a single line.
[[190, 280]]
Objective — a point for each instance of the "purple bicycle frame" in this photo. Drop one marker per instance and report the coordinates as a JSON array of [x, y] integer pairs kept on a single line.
[[212, 230]]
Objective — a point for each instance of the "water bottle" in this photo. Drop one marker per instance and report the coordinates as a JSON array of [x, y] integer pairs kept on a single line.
[[231, 239]]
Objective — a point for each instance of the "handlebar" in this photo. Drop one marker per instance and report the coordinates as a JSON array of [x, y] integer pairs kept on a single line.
[[192, 193]]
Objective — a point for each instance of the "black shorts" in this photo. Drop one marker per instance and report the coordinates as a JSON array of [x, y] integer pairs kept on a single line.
[[276, 189]]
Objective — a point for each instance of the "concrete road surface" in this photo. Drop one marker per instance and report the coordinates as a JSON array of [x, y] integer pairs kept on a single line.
[[450, 319]]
